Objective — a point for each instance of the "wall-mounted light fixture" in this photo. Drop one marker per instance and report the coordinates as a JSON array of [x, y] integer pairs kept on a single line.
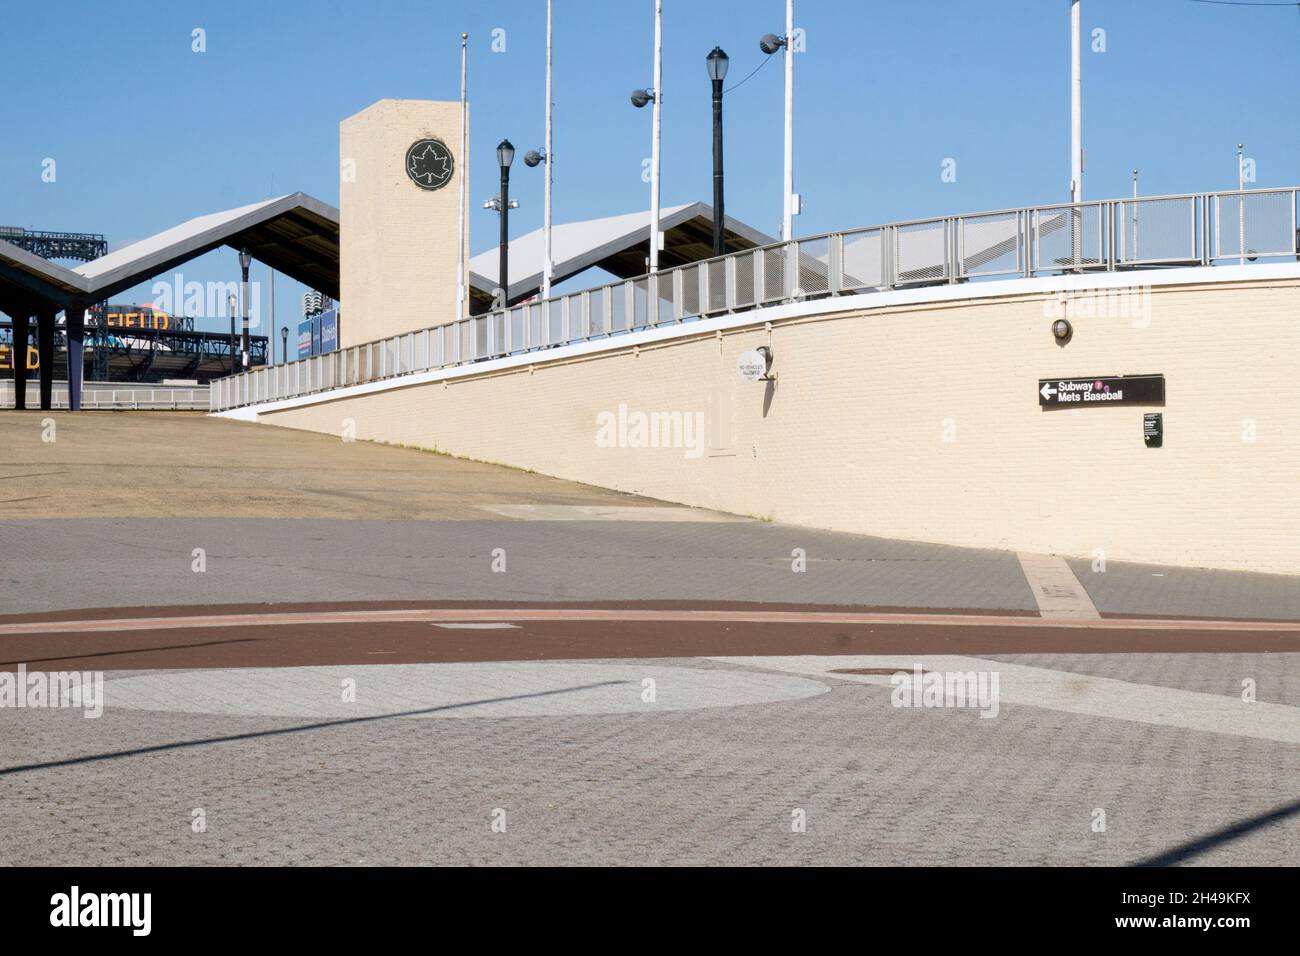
[[1062, 330]]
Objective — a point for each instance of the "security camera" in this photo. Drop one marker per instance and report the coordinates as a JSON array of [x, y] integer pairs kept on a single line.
[[641, 97], [770, 43], [533, 157]]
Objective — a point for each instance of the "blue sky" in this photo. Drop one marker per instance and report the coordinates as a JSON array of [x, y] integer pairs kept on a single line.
[[147, 133]]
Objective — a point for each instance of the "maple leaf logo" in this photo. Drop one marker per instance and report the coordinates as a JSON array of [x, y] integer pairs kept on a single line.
[[430, 165]]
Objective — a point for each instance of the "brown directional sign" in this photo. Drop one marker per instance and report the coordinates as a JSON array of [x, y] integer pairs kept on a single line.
[[1100, 391]]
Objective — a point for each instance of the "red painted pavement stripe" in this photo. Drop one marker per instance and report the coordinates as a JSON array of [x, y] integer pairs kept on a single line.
[[271, 619]]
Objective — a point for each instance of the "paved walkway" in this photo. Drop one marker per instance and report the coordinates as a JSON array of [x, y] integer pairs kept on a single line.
[[717, 769], [405, 742]]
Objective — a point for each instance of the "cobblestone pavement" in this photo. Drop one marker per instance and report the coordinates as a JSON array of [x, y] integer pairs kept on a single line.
[[717, 774]]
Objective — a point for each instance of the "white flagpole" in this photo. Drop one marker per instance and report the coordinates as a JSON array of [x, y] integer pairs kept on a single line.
[[464, 174], [1076, 106], [547, 264], [786, 222], [654, 143]]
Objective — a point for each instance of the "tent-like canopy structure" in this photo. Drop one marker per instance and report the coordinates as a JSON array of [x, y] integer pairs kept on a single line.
[[298, 236], [618, 244]]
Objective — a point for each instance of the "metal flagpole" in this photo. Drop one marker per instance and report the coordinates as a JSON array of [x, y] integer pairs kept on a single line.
[[1135, 216], [1241, 204], [464, 174], [786, 223], [654, 141], [1076, 134], [1076, 106], [546, 213]]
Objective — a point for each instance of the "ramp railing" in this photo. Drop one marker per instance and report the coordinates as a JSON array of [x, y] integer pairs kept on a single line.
[[1110, 235]]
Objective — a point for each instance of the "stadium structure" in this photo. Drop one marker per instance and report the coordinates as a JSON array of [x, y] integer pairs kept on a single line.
[[123, 342]]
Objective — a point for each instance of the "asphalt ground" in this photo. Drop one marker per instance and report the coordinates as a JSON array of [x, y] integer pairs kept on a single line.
[[631, 683]]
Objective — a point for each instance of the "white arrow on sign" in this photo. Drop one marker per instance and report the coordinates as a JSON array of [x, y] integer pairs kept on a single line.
[[1047, 391]]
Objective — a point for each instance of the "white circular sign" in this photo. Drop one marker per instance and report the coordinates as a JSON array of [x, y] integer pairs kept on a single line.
[[751, 365]]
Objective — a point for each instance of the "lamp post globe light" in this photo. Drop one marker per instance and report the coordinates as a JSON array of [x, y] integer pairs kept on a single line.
[[284, 344], [717, 62], [245, 260], [502, 203]]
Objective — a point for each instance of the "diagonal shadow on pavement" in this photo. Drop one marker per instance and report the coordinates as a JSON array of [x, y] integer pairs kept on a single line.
[[322, 725], [129, 650], [1181, 854]]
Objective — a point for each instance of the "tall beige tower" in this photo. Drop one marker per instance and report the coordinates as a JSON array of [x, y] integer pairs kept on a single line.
[[399, 188]]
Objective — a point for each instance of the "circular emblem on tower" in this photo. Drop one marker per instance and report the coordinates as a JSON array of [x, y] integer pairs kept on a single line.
[[429, 163]]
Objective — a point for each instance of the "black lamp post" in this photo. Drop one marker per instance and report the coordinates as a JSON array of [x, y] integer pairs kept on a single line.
[[284, 344], [245, 260], [232, 305], [505, 156], [718, 62]]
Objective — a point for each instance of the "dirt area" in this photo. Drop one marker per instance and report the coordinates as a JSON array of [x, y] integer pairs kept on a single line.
[[185, 464]]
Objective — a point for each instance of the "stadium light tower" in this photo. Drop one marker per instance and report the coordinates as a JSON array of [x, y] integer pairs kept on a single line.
[[717, 62], [639, 99], [769, 44]]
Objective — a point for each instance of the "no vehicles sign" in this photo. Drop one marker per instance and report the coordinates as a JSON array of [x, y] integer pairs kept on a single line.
[[1104, 390]]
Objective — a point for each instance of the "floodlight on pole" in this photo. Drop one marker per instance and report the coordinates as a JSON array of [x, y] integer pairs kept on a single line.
[[769, 43], [639, 99]]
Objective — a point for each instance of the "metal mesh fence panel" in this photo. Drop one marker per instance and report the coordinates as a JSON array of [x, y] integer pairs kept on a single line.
[[813, 256], [1157, 230], [774, 284], [863, 260], [991, 245], [920, 251], [1251, 225]]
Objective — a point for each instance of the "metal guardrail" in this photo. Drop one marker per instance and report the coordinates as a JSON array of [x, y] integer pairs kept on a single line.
[[112, 396], [1106, 235]]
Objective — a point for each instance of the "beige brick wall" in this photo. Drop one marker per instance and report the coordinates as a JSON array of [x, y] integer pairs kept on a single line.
[[922, 422], [397, 241]]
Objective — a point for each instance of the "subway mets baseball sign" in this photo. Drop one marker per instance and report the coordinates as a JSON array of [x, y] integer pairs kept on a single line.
[[1106, 390]]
